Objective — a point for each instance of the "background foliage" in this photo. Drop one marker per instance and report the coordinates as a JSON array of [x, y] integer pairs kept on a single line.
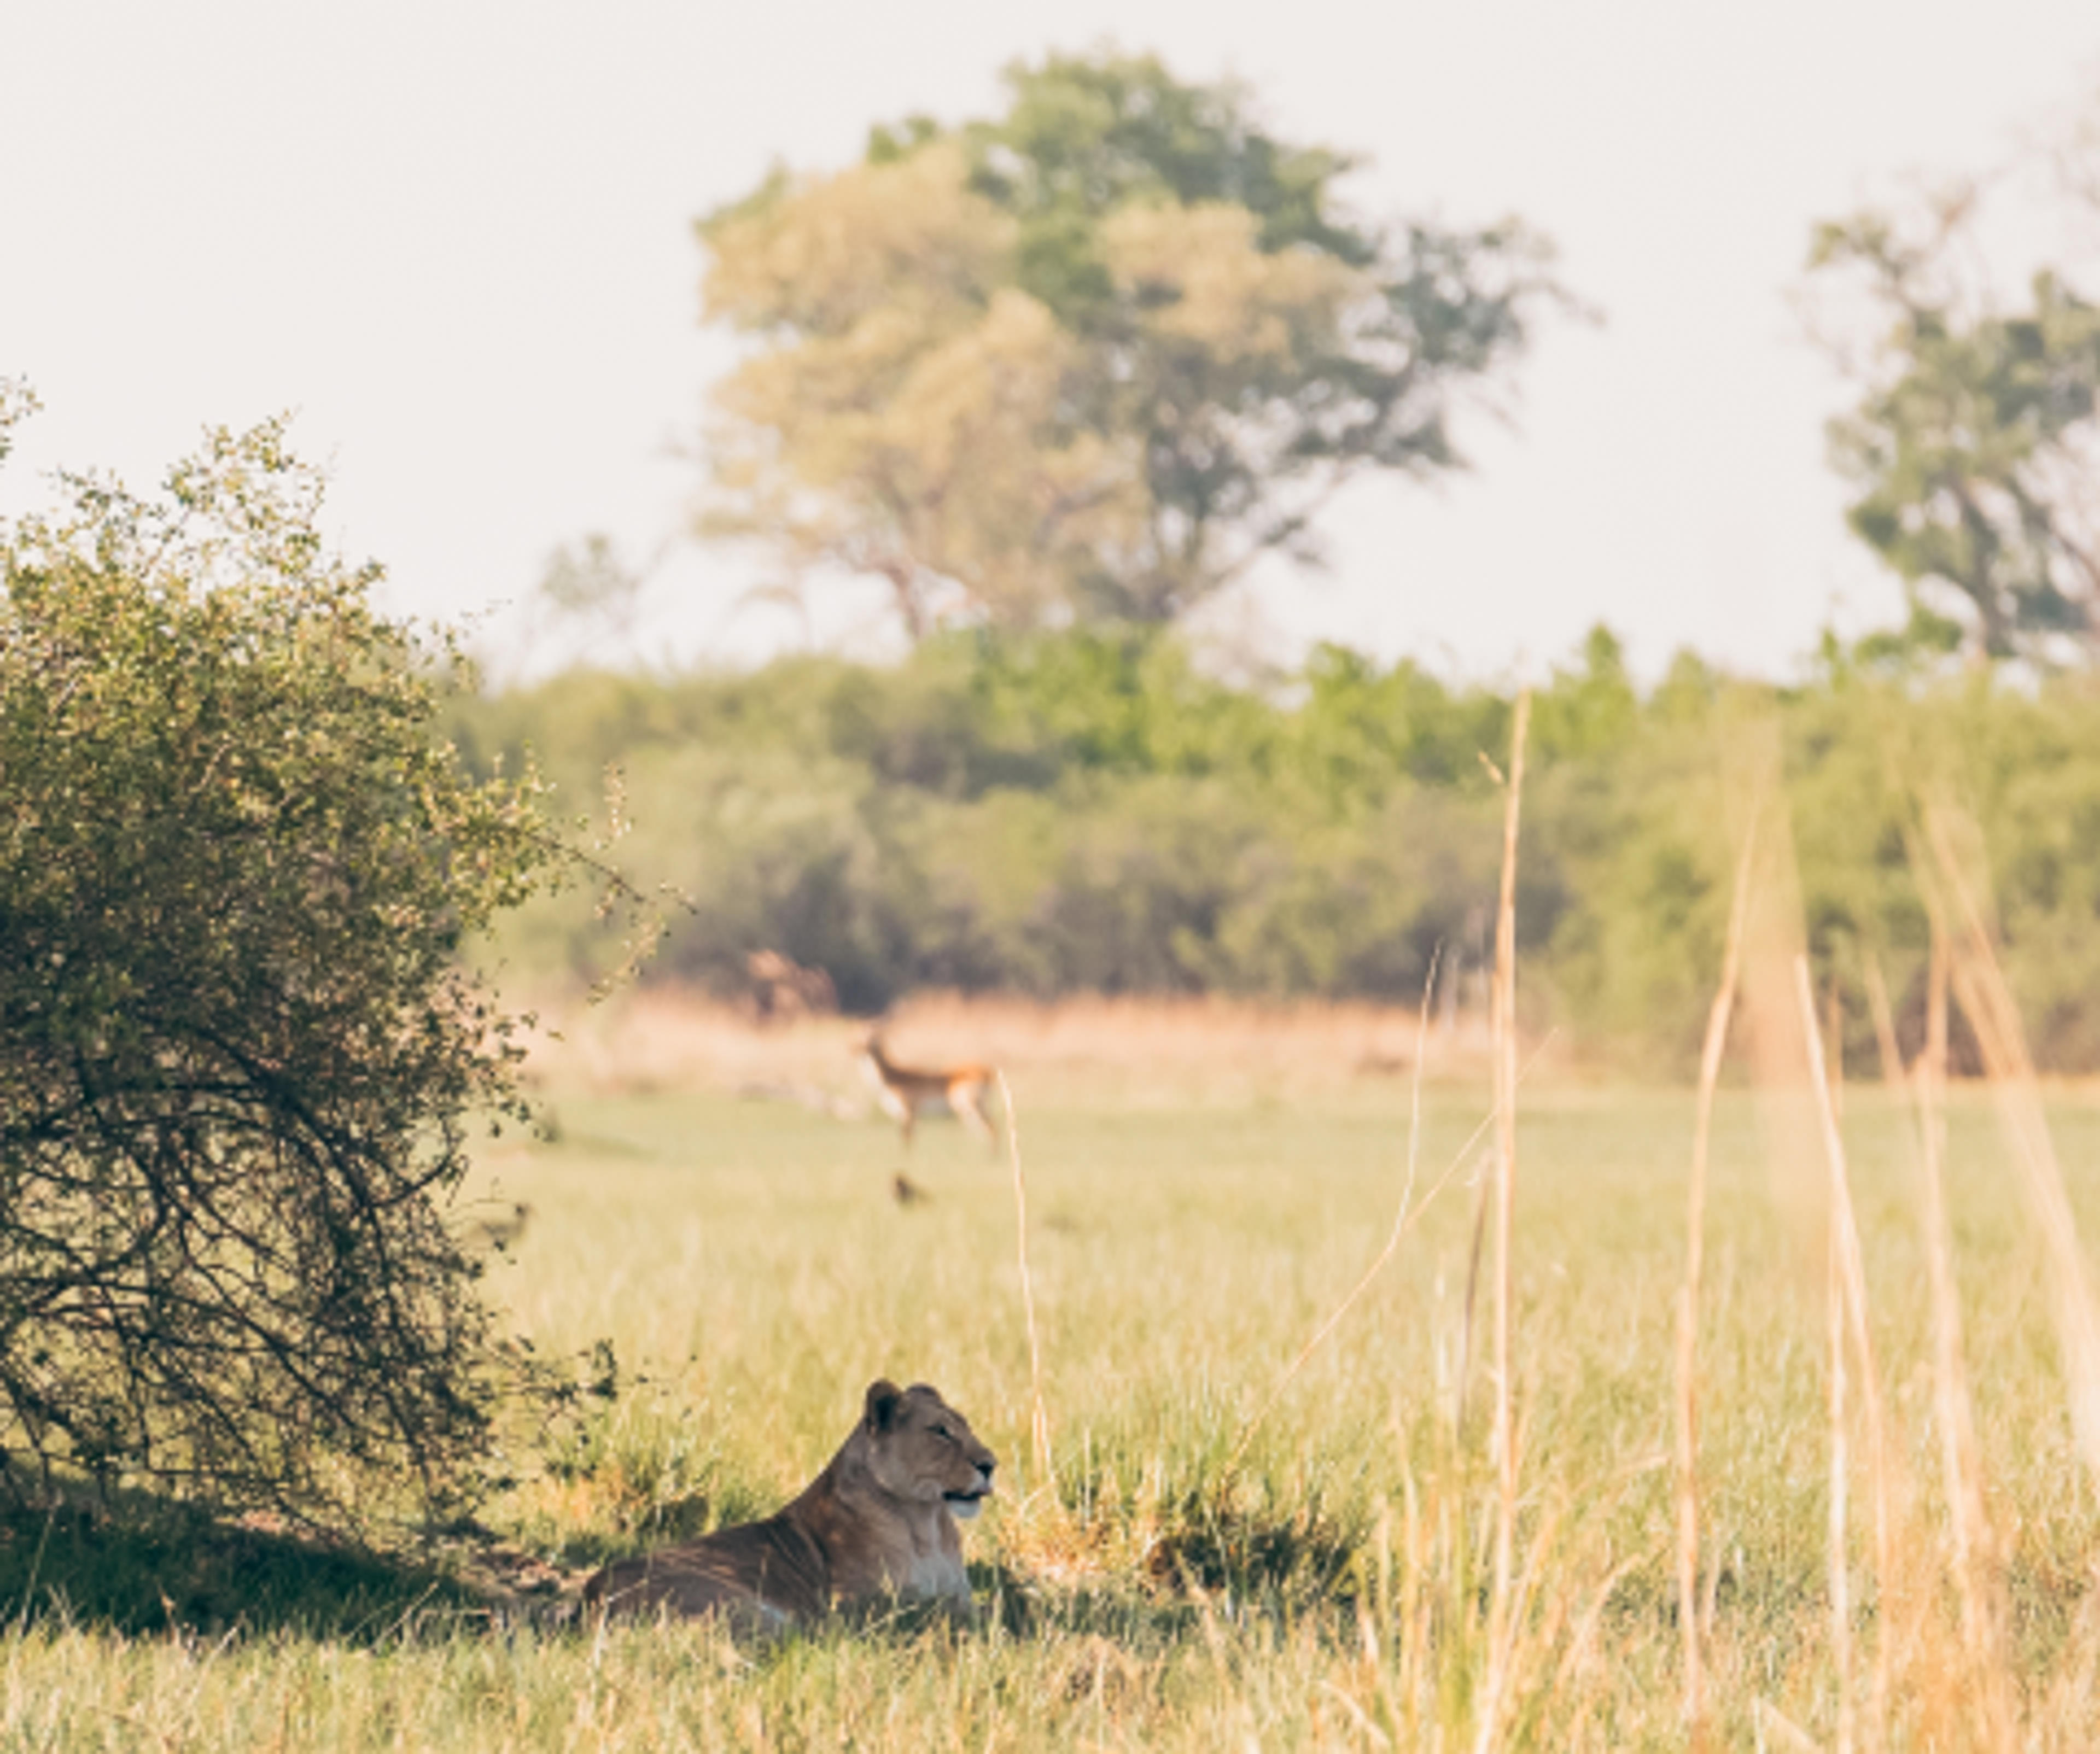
[[1973, 447], [1091, 810]]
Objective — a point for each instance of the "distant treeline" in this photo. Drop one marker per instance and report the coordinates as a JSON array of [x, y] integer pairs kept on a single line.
[[1092, 811]]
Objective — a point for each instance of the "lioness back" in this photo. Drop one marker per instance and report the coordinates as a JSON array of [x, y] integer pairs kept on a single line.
[[878, 1524], [768, 1574]]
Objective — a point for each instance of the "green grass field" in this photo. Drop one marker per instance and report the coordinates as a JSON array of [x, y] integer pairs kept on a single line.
[[752, 1272]]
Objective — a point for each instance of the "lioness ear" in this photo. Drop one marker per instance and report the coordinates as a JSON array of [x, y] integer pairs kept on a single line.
[[883, 1398]]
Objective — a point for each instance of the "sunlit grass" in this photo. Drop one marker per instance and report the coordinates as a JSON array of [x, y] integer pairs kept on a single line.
[[751, 1271]]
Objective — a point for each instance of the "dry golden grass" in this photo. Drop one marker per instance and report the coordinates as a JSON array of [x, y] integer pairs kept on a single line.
[[1158, 1052]]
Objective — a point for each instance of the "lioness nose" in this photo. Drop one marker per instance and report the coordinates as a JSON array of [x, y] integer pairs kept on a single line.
[[987, 1464]]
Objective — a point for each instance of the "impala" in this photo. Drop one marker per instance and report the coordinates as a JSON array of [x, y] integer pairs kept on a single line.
[[903, 1091]]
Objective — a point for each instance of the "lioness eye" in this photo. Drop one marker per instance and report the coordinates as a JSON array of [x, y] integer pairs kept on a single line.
[[941, 1430]]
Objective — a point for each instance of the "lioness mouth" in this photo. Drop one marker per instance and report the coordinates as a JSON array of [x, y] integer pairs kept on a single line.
[[966, 1503]]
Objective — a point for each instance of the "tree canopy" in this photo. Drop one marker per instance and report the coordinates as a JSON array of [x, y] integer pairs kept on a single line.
[[1974, 448], [240, 1055], [1092, 357]]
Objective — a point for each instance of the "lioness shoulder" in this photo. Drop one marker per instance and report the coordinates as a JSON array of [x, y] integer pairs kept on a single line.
[[878, 1524]]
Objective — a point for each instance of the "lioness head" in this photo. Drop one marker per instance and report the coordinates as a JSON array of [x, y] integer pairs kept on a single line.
[[920, 1449]]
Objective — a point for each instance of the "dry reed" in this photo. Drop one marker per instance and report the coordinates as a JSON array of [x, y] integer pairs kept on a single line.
[[1502, 1618], [1483, 1200], [1982, 1693], [1980, 1589], [1039, 1413], [1839, 1567], [1688, 1323], [1883, 1016], [1834, 1041], [1847, 1290], [1986, 1000], [1769, 1017]]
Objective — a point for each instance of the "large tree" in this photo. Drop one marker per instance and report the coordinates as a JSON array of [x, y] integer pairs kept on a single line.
[[1974, 446], [1095, 356], [241, 1058]]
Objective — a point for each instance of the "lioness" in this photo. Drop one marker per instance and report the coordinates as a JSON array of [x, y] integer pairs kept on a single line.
[[878, 1523]]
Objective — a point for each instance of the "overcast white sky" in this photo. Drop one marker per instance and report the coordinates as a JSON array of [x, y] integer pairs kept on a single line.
[[455, 240]]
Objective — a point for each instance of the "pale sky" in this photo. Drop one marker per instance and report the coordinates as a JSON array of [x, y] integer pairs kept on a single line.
[[455, 240]]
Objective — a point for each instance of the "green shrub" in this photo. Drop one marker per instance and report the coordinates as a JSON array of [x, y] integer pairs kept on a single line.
[[240, 1057]]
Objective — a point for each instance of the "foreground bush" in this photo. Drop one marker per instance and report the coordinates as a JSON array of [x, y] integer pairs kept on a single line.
[[238, 1056]]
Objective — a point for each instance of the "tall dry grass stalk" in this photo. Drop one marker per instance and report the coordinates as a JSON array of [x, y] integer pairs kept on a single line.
[[1883, 1016], [1770, 1015], [1973, 1685], [1982, 1691], [1834, 1041], [1502, 1012], [1847, 1316], [1687, 1308], [1483, 1200], [1841, 1476], [1986, 1000], [1978, 1579], [1039, 1413]]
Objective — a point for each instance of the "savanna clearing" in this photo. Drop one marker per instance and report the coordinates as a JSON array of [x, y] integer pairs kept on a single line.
[[1188, 1577]]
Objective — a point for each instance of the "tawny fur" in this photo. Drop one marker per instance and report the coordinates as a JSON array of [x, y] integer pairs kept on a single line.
[[877, 1525], [902, 1091]]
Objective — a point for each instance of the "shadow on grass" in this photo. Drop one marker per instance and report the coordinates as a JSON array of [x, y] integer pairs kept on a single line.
[[1206, 1557], [145, 1567], [1286, 1555]]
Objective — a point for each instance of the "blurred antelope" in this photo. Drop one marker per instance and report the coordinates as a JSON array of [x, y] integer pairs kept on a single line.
[[782, 990], [902, 1091]]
